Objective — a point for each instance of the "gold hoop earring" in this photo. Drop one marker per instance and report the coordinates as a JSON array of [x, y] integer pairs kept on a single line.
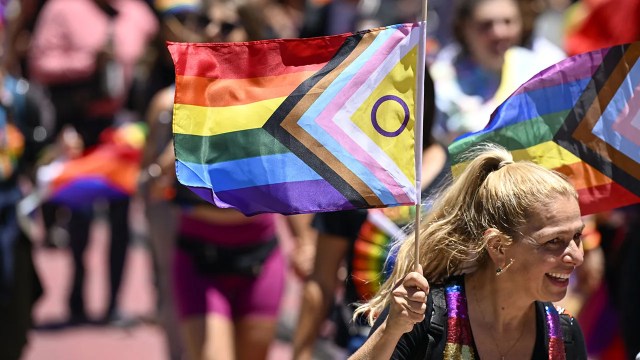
[[500, 271]]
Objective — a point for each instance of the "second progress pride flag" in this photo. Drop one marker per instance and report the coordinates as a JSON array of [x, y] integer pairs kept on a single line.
[[298, 125], [580, 117]]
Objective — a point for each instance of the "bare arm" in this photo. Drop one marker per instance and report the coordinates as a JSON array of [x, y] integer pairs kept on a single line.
[[305, 237], [317, 293], [379, 345], [407, 308]]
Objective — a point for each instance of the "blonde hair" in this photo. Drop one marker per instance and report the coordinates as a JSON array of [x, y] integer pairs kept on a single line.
[[491, 192]]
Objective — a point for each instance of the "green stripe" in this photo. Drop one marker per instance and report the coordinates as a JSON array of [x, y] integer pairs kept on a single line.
[[522, 135], [226, 147]]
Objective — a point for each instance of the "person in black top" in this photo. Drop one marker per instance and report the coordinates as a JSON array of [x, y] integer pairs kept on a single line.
[[498, 246]]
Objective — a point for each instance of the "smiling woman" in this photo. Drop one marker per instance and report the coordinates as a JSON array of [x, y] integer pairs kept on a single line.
[[550, 249], [497, 248]]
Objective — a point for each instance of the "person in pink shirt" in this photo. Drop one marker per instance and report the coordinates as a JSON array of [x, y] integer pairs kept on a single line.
[[75, 40], [85, 52]]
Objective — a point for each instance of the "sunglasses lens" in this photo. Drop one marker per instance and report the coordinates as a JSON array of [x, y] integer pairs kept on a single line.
[[226, 28], [203, 21]]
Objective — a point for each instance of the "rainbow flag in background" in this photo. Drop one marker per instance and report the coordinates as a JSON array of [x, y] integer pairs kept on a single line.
[[298, 125], [371, 248], [11, 148], [165, 7], [580, 117], [109, 171]]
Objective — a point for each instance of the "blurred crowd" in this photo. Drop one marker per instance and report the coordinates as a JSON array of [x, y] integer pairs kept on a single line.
[[73, 72]]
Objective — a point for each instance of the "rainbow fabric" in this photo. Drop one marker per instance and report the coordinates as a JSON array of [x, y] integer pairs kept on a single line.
[[109, 171], [11, 148], [556, 342], [580, 117], [166, 7], [372, 246], [370, 252], [298, 125], [460, 343]]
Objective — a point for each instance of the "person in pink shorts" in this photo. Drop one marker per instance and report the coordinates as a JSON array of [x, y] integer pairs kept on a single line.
[[227, 270]]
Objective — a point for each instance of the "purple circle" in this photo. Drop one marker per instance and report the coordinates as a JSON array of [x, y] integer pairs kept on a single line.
[[374, 119]]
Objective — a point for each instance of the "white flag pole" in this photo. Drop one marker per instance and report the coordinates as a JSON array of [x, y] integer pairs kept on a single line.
[[418, 126]]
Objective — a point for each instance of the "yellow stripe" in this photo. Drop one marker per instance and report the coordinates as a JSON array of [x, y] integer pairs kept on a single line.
[[208, 121], [507, 83], [547, 154]]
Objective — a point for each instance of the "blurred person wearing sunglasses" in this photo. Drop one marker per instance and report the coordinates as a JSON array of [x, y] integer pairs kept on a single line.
[[85, 52]]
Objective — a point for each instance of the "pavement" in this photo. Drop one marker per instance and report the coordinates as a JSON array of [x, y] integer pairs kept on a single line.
[[50, 340]]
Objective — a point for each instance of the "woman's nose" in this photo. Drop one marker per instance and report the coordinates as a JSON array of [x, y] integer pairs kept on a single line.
[[574, 254]]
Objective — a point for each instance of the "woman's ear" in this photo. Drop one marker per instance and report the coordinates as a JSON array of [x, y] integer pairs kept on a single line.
[[496, 244]]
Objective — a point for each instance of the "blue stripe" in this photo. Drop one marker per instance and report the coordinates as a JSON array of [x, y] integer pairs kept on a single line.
[[539, 102], [531, 104], [603, 128], [244, 173], [307, 120]]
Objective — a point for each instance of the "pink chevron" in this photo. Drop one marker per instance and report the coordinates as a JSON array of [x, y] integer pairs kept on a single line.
[[325, 118], [628, 123]]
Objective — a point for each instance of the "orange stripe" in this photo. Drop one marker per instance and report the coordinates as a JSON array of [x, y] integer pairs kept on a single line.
[[210, 92], [105, 163], [583, 175]]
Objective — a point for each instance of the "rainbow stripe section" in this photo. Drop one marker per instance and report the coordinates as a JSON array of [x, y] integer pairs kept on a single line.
[[165, 7], [556, 341], [371, 247], [299, 125], [459, 343], [581, 118], [370, 251]]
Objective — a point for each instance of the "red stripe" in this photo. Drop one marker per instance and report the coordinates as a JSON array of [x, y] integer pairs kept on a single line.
[[254, 59], [605, 197]]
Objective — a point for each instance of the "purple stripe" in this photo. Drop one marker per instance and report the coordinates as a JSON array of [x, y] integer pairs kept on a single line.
[[556, 343], [552, 321], [284, 198], [207, 194], [456, 303], [569, 70], [459, 328], [84, 192]]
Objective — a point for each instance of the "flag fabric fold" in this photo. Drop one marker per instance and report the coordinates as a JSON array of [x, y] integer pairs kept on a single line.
[[298, 125], [580, 117]]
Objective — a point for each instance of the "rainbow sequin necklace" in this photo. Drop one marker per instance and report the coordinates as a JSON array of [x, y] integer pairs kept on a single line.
[[460, 345]]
